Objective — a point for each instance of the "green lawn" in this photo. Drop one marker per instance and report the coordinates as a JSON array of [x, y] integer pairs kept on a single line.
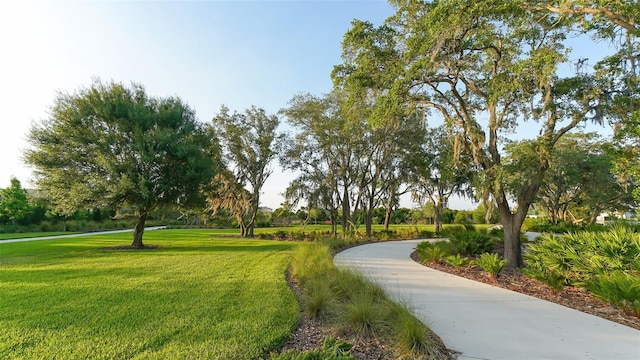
[[33, 234], [196, 297]]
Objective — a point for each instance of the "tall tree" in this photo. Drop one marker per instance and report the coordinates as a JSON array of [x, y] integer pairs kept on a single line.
[[483, 67], [14, 202], [438, 172], [250, 142], [109, 145], [321, 152]]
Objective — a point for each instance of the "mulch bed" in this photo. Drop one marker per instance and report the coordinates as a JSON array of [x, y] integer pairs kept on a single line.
[[571, 296]]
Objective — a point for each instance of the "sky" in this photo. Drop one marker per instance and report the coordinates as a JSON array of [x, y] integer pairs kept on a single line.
[[236, 53]]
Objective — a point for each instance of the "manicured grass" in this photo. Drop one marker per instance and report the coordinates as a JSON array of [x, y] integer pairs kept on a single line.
[[33, 234], [196, 297]]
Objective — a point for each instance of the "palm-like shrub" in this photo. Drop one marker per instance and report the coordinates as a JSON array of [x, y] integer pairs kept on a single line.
[[580, 256], [618, 288], [457, 260], [471, 242], [491, 263], [434, 252], [554, 279], [605, 263]]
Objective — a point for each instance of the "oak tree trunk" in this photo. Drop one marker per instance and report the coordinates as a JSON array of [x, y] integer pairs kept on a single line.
[[512, 223], [387, 217], [368, 220], [138, 231], [437, 214]]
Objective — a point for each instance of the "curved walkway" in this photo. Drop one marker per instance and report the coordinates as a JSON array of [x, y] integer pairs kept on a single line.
[[486, 322]]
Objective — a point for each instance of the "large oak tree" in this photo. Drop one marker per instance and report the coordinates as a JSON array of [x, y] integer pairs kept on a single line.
[[109, 145], [485, 67]]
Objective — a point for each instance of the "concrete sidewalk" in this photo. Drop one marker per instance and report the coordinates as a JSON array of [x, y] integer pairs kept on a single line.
[[486, 322], [79, 235]]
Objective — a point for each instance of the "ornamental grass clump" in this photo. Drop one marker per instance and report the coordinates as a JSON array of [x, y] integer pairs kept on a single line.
[[318, 299], [412, 337], [311, 261], [364, 314]]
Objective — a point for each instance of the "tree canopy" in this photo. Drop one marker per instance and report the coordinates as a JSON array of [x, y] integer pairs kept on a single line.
[[485, 67], [109, 145], [250, 142]]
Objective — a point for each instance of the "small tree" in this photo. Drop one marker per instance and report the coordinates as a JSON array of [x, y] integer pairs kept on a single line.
[[14, 202], [113, 146]]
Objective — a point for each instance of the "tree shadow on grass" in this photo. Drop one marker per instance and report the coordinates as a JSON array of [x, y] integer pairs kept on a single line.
[[129, 247]]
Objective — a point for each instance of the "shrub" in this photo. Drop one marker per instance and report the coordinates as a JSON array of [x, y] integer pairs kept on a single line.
[[554, 279], [433, 252], [491, 263], [385, 235], [471, 242], [618, 288], [280, 234], [451, 230], [580, 256], [457, 260]]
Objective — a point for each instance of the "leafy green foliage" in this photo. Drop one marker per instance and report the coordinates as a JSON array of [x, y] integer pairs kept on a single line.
[[250, 142], [491, 263], [434, 251], [551, 277], [112, 146], [581, 255], [14, 202], [580, 180], [471, 242], [619, 288], [198, 296], [606, 263], [457, 260]]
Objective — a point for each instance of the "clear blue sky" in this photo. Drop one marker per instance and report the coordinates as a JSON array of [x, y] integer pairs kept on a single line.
[[237, 53]]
